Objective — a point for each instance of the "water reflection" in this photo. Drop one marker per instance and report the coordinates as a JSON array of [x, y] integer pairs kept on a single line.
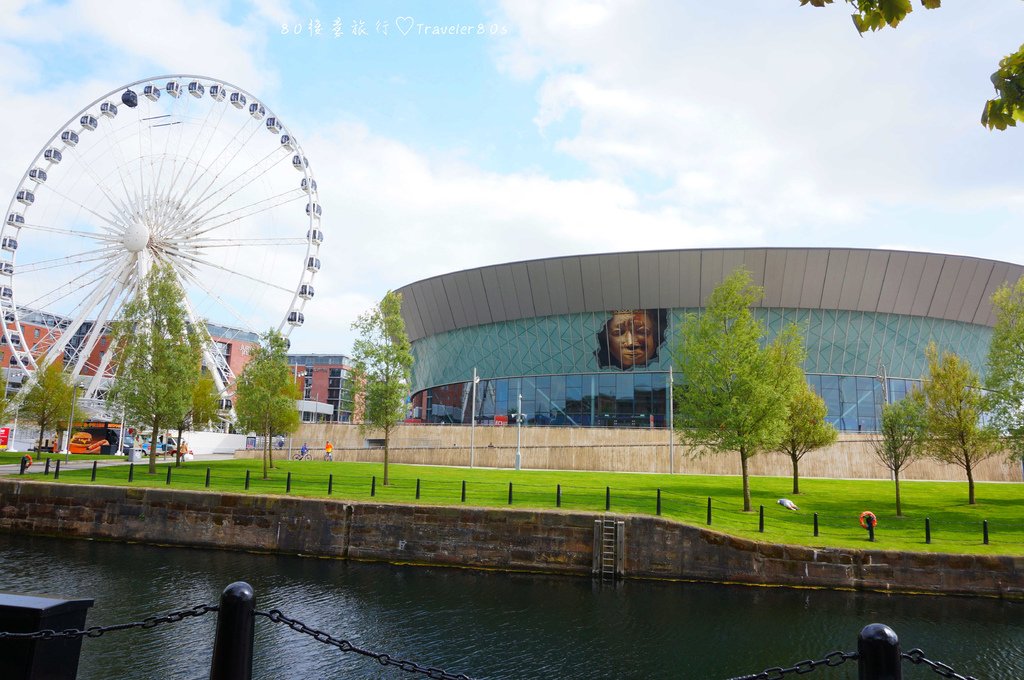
[[487, 625]]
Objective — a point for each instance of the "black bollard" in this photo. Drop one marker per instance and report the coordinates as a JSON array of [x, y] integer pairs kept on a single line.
[[927, 530], [56, 475], [288, 484], [233, 642], [417, 489], [558, 496], [131, 472], [373, 486], [607, 498], [760, 519], [984, 530], [709, 510], [24, 465], [815, 524], [27, 659], [46, 471], [247, 480], [94, 470], [207, 478], [463, 490], [658, 511], [330, 483], [871, 530], [510, 493], [168, 475], [878, 651]]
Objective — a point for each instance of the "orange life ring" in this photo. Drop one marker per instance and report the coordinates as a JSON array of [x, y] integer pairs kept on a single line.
[[28, 461], [864, 519]]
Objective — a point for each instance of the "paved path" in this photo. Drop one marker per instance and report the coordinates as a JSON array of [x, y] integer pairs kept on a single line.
[[72, 463]]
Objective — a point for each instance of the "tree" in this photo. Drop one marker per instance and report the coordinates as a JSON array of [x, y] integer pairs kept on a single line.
[[265, 394], [202, 409], [157, 355], [902, 437], [806, 429], [999, 113], [736, 389], [383, 360], [954, 406], [48, 399], [1005, 375]]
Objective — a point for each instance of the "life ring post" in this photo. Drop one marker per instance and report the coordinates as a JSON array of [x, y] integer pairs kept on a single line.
[[26, 463]]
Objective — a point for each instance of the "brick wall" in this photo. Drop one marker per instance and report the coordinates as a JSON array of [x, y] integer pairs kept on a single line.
[[508, 540]]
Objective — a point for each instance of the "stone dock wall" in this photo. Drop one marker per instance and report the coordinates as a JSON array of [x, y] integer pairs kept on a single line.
[[505, 540]]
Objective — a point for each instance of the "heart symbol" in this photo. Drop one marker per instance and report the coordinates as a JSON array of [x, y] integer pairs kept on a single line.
[[404, 24]]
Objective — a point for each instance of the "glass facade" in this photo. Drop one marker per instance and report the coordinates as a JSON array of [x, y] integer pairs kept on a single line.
[[555, 363]]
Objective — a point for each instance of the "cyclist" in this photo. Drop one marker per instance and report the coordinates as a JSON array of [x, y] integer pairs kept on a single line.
[[328, 451], [303, 452]]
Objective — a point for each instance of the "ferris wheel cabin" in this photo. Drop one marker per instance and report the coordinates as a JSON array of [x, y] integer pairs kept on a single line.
[[16, 220], [217, 93], [273, 124], [173, 88], [306, 291], [313, 264], [69, 137], [37, 175], [89, 122], [152, 92], [237, 100], [26, 197], [196, 89], [256, 110], [109, 109], [296, 318], [9, 244], [53, 155], [315, 236], [129, 99]]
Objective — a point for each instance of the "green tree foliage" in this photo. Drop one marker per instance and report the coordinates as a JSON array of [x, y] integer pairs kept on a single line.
[[383, 361], [999, 113], [157, 355], [202, 409], [806, 429], [736, 389], [902, 438], [1005, 376], [48, 400], [954, 406], [265, 394]]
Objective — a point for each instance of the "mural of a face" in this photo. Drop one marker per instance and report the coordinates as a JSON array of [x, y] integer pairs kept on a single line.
[[632, 338]]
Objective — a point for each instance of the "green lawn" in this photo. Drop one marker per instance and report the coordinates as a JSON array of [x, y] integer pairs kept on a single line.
[[956, 527]]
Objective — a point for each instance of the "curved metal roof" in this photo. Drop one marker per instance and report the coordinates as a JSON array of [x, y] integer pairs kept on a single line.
[[952, 287]]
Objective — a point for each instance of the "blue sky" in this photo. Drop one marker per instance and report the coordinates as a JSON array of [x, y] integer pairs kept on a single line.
[[574, 126]]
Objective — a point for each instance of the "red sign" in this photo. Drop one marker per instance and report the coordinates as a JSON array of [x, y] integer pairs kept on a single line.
[[5, 436]]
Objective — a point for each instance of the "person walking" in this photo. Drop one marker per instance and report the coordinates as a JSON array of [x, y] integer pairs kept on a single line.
[[328, 451]]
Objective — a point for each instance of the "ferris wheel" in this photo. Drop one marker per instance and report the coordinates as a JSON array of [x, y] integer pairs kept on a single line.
[[183, 170]]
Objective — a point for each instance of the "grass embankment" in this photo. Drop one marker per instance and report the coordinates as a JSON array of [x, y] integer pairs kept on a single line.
[[956, 527]]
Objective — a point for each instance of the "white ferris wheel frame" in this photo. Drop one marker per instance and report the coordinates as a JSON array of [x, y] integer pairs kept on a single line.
[[101, 306]]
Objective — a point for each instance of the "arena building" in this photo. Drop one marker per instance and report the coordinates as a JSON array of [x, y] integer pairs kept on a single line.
[[589, 340]]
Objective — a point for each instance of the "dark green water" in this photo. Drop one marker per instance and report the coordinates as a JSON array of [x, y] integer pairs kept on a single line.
[[488, 625]]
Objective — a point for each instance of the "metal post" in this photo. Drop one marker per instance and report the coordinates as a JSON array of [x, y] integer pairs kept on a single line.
[[24, 465], [760, 519], [607, 498], [463, 490], [131, 471], [46, 470], [659, 502], [878, 651], [927, 530], [373, 486], [56, 475], [207, 478], [288, 483], [417, 489], [472, 419], [871, 530], [94, 463], [233, 642], [510, 493], [815, 524], [247, 480], [169, 475], [671, 429], [330, 483], [709, 510], [984, 524], [519, 432], [558, 496]]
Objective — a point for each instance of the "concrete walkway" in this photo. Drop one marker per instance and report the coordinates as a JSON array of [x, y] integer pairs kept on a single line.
[[73, 463]]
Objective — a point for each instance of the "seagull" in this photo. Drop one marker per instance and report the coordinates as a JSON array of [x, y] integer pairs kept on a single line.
[[788, 504]]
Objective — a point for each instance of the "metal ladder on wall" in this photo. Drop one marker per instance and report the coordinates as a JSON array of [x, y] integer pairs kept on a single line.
[[609, 549]]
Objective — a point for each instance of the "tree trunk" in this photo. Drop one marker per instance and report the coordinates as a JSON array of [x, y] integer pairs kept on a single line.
[[270, 448], [387, 440], [970, 483], [266, 475], [746, 481], [899, 508], [177, 453], [796, 472], [152, 446]]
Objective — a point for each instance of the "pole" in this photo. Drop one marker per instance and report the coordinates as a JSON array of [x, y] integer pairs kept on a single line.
[[878, 649], [71, 419], [671, 428], [472, 419], [233, 641], [519, 431], [14, 430], [120, 443]]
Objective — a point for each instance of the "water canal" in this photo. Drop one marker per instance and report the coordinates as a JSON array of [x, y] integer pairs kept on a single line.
[[487, 625]]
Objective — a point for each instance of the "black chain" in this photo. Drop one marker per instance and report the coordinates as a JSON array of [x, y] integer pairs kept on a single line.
[[344, 645], [916, 656], [832, 659], [97, 631]]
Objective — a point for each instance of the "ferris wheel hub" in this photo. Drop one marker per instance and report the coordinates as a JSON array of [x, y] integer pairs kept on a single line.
[[136, 237]]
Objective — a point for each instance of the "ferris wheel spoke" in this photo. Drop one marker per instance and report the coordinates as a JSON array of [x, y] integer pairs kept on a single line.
[[248, 172], [65, 289], [263, 205], [242, 320], [102, 186], [194, 177], [112, 226], [34, 226], [227, 270], [204, 243], [113, 302], [225, 163], [100, 255]]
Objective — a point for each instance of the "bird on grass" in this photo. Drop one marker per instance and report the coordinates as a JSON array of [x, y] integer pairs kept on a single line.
[[788, 504]]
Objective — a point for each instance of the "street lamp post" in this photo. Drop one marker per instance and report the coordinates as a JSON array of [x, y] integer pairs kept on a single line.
[[472, 419], [519, 431], [671, 427], [71, 420]]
